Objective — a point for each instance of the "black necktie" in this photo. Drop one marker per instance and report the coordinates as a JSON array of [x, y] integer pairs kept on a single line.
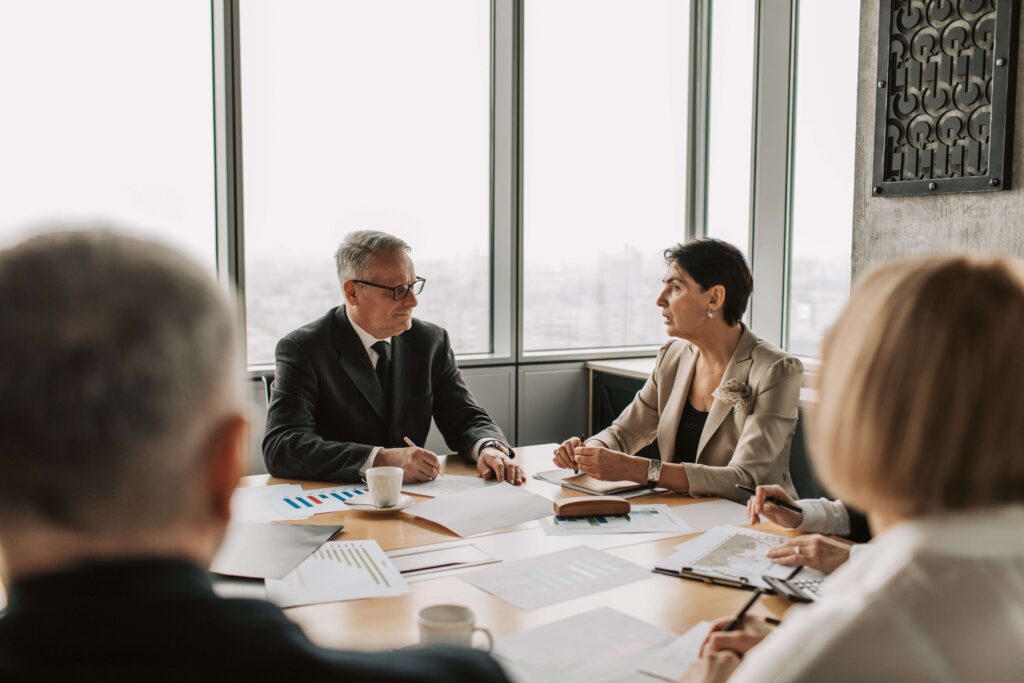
[[383, 350]]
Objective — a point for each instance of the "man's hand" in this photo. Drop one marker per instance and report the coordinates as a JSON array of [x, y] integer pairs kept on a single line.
[[493, 464], [608, 465], [758, 506], [751, 632], [418, 464], [814, 550], [565, 455]]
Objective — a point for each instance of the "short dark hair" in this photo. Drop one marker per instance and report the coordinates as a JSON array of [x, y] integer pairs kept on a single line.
[[713, 262]]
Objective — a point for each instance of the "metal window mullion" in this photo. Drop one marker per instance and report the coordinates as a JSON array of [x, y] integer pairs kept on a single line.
[[770, 179], [227, 126], [697, 146]]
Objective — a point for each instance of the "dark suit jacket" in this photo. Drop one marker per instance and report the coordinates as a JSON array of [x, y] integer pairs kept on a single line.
[[327, 411], [160, 620]]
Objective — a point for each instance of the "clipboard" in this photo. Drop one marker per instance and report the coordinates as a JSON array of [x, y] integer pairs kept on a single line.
[[740, 582]]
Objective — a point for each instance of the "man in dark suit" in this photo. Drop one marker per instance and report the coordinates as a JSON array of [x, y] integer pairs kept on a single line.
[[352, 386], [122, 433]]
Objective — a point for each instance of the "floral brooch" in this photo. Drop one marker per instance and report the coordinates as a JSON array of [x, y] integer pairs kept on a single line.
[[735, 393]]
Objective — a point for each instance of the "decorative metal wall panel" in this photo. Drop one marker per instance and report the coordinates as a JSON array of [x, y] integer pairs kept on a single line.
[[944, 110]]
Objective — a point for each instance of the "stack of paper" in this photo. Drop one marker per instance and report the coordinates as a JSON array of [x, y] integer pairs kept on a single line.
[[671, 662], [641, 519], [340, 570], [599, 646], [556, 577], [483, 509]]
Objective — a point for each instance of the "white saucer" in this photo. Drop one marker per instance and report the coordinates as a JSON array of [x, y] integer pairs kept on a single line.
[[404, 501]]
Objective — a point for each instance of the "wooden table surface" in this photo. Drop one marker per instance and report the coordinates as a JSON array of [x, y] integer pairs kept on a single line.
[[381, 623]]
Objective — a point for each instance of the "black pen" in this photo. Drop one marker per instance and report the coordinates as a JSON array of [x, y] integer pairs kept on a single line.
[[772, 499], [735, 623]]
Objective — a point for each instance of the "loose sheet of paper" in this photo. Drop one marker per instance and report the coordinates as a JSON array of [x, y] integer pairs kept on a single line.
[[486, 509], [447, 485], [420, 561], [330, 499], [641, 519], [671, 662], [729, 552], [556, 577], [703, 516], [599, 646], [265, 550], [340, 570], [263, 503]]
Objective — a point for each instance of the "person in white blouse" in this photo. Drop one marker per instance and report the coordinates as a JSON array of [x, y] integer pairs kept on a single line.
[[919, 424]]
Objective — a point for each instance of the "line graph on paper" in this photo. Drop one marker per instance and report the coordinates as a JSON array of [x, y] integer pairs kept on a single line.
[[739, 554]]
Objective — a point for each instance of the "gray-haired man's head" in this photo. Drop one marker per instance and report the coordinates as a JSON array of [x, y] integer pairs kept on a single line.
[[378, 281], [358, 251], [117, 363]]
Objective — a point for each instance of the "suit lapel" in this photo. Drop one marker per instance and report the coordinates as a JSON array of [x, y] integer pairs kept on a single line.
[[353, 359], [738, 368], [668, 423]]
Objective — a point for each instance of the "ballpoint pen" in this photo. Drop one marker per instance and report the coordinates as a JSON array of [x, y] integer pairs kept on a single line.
[[410, 444], [772, 499], [738, 619]]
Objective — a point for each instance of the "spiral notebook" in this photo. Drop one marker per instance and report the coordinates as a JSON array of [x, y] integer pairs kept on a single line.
[[595, 487]]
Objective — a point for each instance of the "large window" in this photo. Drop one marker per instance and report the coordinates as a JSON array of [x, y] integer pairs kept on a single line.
[[730, 120], [107, 117], [365, 114], [823, 164], [604, 167]]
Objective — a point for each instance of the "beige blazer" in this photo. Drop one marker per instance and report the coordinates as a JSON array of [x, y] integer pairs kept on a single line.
[[738, 445]]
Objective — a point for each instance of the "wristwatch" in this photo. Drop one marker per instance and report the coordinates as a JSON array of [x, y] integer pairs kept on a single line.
[[494, 443], [654, 471]]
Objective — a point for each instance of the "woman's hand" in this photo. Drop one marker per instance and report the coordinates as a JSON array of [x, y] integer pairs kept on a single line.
[[759, 506], [608, 465], [815, 551], [565, 456], [712, 669], [751, 632]]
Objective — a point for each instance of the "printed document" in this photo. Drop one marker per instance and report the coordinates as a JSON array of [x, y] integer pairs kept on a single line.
[[485, 509], [641, 519], [729, 552]]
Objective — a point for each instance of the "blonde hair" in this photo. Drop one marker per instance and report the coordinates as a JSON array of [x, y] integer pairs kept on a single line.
[[920, 407]]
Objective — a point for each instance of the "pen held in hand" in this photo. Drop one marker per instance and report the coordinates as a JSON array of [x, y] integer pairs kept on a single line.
[[410, 444], [772, 499], [738, 619]]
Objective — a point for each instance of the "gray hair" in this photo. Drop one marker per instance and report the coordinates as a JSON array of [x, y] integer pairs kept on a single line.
[[354, 257], [117, 359]]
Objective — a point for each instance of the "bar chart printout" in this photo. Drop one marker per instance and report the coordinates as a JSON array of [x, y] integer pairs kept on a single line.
[[318, 501], [339, 570], [556, 577]]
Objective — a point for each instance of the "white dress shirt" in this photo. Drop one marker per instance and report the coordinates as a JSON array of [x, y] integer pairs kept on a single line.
[[824, 516], [368, 341], [933, 599]]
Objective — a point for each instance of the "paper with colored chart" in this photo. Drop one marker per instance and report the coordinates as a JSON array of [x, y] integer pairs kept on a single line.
[[599, 646], [641, 519], [556, 577], [339, 570], [262, 503]]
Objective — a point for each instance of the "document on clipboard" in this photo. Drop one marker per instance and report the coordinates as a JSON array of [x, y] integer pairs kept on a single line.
[[727, 556]]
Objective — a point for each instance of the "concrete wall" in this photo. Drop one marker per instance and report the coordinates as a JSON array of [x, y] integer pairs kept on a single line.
[[886, 228]]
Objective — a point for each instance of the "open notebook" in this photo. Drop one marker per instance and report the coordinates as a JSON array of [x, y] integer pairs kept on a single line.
[[595, 487]]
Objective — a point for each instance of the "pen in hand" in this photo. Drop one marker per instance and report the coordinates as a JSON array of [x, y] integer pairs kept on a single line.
[[738, 619], [410, 444], [772, 499]]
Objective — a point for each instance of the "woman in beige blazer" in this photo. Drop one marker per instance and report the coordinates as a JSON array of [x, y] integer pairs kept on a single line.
[[721, 402]]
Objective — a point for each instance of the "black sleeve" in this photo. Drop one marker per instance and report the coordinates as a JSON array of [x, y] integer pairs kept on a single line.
[[291, 446], [461, 420], [859, 530]]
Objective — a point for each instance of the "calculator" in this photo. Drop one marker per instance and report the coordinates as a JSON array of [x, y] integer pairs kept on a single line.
[[796, 589]]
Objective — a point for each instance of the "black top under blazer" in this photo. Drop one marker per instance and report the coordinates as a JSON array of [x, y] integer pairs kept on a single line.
[[159, 620], [327, 410]]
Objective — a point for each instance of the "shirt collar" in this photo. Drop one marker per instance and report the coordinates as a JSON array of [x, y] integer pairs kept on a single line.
[[365, 337]]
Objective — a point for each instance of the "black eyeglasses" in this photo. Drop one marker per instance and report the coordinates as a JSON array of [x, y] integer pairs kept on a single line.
[[398, 291]]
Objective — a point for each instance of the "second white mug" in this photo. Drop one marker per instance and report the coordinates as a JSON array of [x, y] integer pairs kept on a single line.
[[450, 625]]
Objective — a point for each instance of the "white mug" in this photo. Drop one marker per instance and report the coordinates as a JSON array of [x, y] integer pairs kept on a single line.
[[385, 485], [450, 625]]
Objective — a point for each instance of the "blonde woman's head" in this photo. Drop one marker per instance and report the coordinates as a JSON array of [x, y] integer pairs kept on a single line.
[[922, 391]]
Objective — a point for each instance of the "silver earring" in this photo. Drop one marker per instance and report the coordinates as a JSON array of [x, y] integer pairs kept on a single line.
[[711, 314]]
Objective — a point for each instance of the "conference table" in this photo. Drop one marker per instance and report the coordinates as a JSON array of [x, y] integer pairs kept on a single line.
[[385, 623]]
